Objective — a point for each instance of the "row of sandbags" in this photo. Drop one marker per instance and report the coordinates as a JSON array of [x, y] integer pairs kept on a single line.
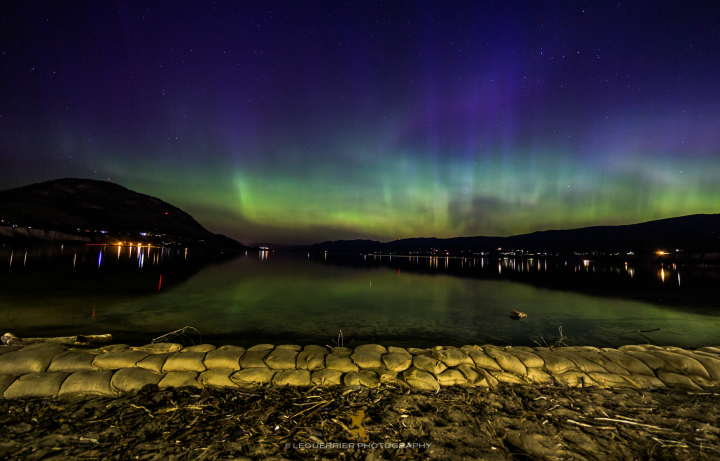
[[49, 369]]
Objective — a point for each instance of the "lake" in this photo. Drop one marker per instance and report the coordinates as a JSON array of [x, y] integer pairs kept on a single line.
[[140, 293]]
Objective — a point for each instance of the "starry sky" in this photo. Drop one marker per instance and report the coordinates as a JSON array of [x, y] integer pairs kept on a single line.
[[299, 122]]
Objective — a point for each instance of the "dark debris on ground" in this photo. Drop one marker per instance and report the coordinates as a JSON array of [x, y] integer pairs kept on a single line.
[[508, 422]]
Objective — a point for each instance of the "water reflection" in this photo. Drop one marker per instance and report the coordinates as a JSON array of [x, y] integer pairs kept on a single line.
[[437, 300]]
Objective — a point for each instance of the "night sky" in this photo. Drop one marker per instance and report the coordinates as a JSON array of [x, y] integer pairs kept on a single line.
[[305, 121]]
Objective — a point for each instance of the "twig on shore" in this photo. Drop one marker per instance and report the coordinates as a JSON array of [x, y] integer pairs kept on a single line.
[[634, 423], [640, 332], [180, 333], [589, 425]]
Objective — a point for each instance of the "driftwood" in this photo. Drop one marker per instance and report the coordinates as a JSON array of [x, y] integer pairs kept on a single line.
[[77, 340]]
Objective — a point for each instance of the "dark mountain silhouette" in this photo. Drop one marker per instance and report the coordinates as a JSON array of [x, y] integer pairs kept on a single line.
[[695, 233], [72, 209]]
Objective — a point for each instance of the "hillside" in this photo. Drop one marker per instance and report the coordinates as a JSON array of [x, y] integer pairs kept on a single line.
[[695, 233], [70, 209]]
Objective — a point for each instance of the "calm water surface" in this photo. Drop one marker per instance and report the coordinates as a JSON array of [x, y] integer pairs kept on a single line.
[[138, 294]]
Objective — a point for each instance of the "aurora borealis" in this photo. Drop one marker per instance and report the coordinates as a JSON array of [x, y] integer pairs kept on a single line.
[[299, 122]]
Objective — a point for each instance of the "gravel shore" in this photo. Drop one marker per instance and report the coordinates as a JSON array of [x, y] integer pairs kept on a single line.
[[455, 423]]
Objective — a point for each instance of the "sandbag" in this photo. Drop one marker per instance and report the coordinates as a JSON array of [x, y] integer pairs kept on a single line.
[[676, 380], [117, 360], [609, 365], [292, 378], [113, 348], [632, 364], [185, 361], [632, 348], [327, 377], [5, 382], [587, 349], [377, 348], [390, 378], [469, 372], [703, 382], [653, 362], [486, 379], [508, 378], [340, 361], [480, 358], [43, 347], [217, 378], [508, 362], [367, 378], [452, 377], [529, 359], [282, 359], [416, 351], [154, 362], [419, 379], [574, 379], [340, 349], [72, 361], [312, 358], [231, 348], [228, 359], [30, 359], [366, 358], [583, 364], [397, 350], [252, 377], [5, 349], [262, 347], [555, 363], [158, 348], [37, 384], [180, 379], [133, 379], [429, 364], [292, 347], [87, 383], [711, 364], [682, 364], [644, 381], [254, 358], [537, 376], [452, 357], [84, 350], [397, 361], [712, 350], [351, 379], [610, 380], [198, 348]]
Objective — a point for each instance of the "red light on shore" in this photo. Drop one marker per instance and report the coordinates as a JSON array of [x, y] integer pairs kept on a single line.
[[167, 213], [160, 283]]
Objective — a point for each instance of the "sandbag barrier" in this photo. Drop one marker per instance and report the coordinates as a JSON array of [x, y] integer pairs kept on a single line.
[[53, 370]]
